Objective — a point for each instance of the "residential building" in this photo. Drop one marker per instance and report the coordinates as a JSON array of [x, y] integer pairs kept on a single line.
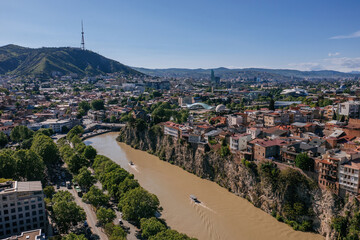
[[254, 132], [350, 109], [349, 177], [29, 235], [238, 142], [267, 149], [275, 119], [22, 207]]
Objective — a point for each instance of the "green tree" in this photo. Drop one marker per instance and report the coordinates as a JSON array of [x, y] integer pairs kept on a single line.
[[85, 106], [126, 185], [90, 153], [138, 203], [84, 178], [96, 197], [272, 104], [20, 133], [114, 232], [105, 215], [62, 196], [29, 165], [170, 235], [97, 104], [150, 227], [76, 162], [49, 191], [304, 162], [73, 236], [67, 214], [3, 139], [45, 131], [77, 130], [340, 225], [46, 148], [7, 165]]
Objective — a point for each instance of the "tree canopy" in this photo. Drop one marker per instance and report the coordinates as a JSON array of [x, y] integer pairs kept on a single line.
[[67, 214], [138, 203], [304, 162], [151, 226], [98, 104], [105, 215], [46, 148]]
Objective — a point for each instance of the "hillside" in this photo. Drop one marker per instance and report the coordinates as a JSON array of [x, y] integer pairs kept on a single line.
[[43, 61], [225, 73]]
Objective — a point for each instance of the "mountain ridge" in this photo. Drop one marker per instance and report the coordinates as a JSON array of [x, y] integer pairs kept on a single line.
[[251, 72], [20, 60]]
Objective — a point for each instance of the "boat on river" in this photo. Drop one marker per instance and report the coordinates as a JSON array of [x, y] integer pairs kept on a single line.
[[194, 198], [131, 163]]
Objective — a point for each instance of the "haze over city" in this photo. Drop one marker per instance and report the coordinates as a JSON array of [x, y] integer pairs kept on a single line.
[[304, 35]]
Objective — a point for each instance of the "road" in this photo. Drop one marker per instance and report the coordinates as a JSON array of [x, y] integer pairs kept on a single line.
[[90, 214]]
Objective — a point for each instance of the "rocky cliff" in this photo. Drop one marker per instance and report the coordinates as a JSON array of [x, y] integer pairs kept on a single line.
[[287, 195]]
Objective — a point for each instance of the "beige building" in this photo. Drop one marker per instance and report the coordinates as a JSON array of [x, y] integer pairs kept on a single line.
[[22, 207]]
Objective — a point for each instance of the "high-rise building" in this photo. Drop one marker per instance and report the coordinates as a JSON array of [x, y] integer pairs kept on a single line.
[[22, 207]]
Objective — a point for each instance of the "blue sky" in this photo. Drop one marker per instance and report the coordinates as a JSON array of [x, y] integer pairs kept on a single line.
[[301, 34]]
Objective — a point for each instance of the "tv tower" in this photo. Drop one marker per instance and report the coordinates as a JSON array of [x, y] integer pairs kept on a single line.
[[82, 36]]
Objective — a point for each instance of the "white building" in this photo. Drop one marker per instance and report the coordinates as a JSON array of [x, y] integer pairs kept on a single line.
[[234, 120], [238, 142], [350, 109], [22, 207], [254, 132], [349, 177], [55, 124]]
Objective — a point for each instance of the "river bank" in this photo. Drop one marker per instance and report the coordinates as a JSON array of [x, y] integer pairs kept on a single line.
[[222, 215]]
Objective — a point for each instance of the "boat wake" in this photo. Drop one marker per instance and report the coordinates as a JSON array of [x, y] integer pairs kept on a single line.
[[134, 167], [201, 204], [206, 207], [202, 210]]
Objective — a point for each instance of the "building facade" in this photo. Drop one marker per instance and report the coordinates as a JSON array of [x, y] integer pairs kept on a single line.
[[22, 207]]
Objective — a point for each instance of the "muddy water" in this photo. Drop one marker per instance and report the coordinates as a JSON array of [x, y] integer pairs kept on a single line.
[[220, 215]]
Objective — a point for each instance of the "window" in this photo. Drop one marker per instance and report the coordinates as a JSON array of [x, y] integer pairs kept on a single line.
[[41, 211], [40, 205], [6, 218], [34, 219], [27, 214], [13, 217], [28, 220], [13, 210], [33, 212], [21, 222], [26, 207], [33, 206], [19, 209], [21, 215], [6, 211], [4, 198], [41, 218]]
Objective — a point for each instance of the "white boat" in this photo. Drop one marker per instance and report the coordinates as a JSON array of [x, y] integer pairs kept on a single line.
[[131, 163]]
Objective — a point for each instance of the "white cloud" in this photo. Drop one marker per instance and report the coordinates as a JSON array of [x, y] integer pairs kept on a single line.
[[307, 66], [352, 35], [333, 54], [342, 64]]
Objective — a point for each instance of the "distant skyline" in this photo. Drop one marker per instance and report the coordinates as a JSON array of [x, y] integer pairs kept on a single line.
[[303, 35]]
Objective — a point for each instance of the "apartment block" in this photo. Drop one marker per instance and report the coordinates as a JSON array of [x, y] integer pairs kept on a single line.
[[22, 207]]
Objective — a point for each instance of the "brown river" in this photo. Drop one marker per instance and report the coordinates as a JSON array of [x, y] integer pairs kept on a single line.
[[220, 215]]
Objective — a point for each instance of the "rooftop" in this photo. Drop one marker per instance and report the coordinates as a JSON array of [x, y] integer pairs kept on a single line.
[[15, 186]]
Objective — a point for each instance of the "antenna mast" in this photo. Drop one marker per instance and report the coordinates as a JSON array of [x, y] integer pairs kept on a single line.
[[82, 36]]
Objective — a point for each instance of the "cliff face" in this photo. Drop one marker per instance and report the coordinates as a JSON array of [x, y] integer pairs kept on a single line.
[[276, 192]]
